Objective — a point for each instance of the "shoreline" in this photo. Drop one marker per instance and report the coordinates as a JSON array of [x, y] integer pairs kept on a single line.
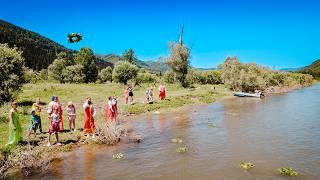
[[130, 137]]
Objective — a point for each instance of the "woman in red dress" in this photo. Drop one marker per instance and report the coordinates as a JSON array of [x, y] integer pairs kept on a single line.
[[109, 110], [89, 113], [162, 92]]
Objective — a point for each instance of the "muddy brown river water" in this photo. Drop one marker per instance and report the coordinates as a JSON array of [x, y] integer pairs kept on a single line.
[[277, 131]]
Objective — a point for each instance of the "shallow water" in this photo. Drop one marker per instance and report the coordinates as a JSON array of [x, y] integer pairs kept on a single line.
[[280, 130]]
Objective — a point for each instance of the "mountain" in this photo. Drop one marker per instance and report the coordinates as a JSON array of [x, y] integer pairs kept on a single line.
[[290, 69], [153, 66], [38, 51], [313, 69]]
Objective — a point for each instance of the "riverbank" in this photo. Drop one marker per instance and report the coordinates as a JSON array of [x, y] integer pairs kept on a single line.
[[14, 157]]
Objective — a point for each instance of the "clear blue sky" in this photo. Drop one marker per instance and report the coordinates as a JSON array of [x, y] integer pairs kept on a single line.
[[283, 33]]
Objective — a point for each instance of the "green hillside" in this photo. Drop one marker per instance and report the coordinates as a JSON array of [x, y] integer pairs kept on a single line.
[[313, 69], [38, 51]]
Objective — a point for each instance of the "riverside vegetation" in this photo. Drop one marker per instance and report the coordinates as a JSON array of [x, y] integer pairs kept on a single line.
[[77, 75]]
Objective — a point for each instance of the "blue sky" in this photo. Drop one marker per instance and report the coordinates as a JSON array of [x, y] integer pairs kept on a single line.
[[278, 34]]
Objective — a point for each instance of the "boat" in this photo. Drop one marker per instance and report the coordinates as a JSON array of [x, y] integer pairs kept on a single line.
[[243, 94]]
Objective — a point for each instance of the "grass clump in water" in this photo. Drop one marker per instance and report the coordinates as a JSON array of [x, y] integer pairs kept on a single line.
[[177, 140], [246, 165], [287, 171], [182, 149], [117, 156]]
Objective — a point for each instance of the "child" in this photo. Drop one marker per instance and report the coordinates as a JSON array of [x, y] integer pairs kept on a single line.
[[130, 90], [34, 123], [109, 110], [54, 129], [149, 95], [71, 111], [37, 108]]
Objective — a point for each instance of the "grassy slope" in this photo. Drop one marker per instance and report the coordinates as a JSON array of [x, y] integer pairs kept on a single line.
[[177, 97]]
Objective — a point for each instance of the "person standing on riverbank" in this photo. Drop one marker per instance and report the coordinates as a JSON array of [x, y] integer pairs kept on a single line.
[[130, 90], [58, 106], [89, 114], [109, 110], [34, 124], [115, 108], [71, 111], [162, 92], [54, 128], [126, 94], [15, 130], [36, 106]]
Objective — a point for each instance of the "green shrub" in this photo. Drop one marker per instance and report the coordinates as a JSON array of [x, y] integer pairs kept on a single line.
[[145, 77], [43, 74], [169, 77], [87, 59], [105, 75], [31, 76], [124, 71], [204, 77], [11, 70], [74, 74]]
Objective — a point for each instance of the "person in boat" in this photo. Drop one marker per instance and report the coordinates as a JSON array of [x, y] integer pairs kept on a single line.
[[58, 106], [126, 94], [34, 124], [15, 130], [37, 107], [71, 111], [109, 110], [89, 114], [149, 95], [162, 92], [54, 126]]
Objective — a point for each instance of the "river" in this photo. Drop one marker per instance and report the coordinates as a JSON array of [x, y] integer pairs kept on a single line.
[[277, 131]]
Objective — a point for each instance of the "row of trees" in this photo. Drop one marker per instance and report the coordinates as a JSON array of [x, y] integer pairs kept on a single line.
[[249, 77]]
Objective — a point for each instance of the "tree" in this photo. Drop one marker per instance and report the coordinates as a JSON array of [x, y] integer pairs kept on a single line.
[[11, 70], [87, 59], [129, 56], [74, 74], [58, 65], [124, 71], [179, 62], [105, 75]]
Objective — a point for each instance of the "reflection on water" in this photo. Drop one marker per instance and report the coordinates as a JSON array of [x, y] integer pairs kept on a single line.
[[280, 130]]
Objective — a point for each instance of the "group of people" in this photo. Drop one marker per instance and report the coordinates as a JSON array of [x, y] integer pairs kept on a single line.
[[55, 115]]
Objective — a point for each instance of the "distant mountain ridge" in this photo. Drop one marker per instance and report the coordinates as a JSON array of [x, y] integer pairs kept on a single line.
[[313, 69], [38, 51]]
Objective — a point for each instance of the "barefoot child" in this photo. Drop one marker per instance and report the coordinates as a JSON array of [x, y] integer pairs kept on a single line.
[[71, 110], [54, 129], [34, 124]]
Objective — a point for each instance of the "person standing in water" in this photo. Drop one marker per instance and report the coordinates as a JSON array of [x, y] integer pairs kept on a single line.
[[15, 130], [89, 114], [37, 108]]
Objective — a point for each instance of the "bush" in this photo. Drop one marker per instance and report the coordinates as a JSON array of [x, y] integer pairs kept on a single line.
[[145, 77], [73, 74], [105, 75], [204, 77], [124, 71], [250, 77], [30, 76], [11, 70], [169, 77], [43, 74], [56, 68]]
